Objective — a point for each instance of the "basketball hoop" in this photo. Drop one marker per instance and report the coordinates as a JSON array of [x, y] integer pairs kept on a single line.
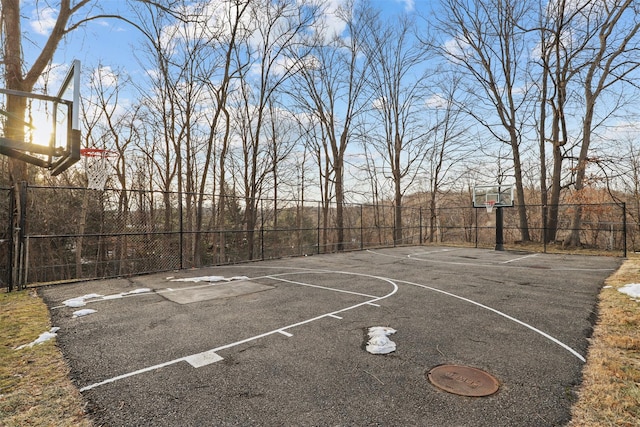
[[96, 164], [489, 204]]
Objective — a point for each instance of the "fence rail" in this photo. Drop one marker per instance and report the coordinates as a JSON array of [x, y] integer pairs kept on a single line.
[[67, 234]]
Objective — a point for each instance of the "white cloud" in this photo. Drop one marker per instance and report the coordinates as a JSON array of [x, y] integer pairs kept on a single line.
[[623, 131], [456, 48], [437, 101], [43, 20], [106, 76], [330, 24], [379, 103], [409, 5]]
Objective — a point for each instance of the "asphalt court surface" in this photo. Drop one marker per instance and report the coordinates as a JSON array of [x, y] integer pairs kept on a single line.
[[282, 342]]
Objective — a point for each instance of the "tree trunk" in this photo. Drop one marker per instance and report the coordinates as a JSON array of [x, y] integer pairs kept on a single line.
[[339, 188], [554, 202], [573, 239], [397, 225], [522, 207], [432, 215]]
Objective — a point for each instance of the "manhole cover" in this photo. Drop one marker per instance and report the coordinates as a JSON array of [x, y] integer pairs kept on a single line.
[[463, 380]]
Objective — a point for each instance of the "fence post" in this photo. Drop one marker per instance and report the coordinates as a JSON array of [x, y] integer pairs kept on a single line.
[[181, 231], [361, 228], [262, 229], [318, 228], [544, 229], [499, 229], [21, 232], [624, 228], [476, 212], [420, 224], [393, 233], [10, 233]]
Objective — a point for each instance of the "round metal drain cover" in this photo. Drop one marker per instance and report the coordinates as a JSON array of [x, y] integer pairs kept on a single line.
[[463, 380]]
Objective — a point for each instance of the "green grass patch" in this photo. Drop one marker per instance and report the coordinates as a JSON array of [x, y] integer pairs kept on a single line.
[[35, 389]]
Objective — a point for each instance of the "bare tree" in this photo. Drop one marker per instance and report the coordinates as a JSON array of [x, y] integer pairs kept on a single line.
[[277, 33], [159, 99], [449, 144], [565, 52], [332, 87], [486, 42], [556, 60], [398, 83], [612, 30]]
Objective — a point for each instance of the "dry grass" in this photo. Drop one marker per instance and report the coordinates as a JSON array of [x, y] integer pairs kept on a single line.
[[35, 389], [610, 393]]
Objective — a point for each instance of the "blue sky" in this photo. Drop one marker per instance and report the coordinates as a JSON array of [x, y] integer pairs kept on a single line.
[[112, 42]]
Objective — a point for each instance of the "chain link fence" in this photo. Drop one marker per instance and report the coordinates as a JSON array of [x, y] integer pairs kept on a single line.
[[6, 236], [76, 233]]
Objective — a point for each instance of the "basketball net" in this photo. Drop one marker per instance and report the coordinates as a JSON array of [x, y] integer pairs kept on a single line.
[[97, 166], [489, 204]]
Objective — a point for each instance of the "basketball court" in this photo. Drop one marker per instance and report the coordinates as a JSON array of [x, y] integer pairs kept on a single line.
[[284, 342]]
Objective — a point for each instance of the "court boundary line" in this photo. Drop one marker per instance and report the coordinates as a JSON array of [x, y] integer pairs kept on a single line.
[[333, 314], [480, 264]]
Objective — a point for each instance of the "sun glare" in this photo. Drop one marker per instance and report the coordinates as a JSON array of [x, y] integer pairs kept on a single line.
[[40, 130]]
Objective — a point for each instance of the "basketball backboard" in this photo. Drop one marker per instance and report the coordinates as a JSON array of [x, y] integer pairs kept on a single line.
[[498, 195], [48, 134]]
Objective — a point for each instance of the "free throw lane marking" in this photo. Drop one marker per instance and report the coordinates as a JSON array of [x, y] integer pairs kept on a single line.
[[320, 287], [211, 356]]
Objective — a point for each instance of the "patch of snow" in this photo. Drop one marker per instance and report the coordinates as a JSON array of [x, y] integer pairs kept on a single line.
[[80, 301], [138, 291], [210, 279], [379, 342], [632, 289], [45, 336], [83, 312], [124, 294], [607, 287], [200, 279]]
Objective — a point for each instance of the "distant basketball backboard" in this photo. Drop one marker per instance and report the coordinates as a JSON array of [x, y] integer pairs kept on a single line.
[[48, 134], [496, 195]]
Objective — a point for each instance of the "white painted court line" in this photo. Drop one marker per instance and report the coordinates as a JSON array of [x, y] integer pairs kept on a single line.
[[500, 313], [154, 292], [203, 359], [519, 258], [211, 356], [480, 264], [438, 251], [320, 287]]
